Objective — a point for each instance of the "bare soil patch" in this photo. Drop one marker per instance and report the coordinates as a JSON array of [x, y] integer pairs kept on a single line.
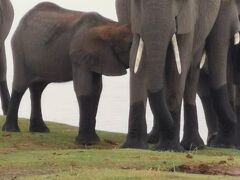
[[220, 168]]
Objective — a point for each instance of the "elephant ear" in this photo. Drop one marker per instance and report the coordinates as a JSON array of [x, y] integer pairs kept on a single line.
[[185, 19], [91, 51]]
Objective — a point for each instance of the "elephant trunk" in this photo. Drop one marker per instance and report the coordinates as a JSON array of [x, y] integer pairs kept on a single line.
[[175, 49]]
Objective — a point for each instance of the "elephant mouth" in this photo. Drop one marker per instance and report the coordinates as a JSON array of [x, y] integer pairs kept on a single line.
[[175, 49]]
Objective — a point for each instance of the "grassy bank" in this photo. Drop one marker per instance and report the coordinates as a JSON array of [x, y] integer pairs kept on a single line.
[[55, 156]]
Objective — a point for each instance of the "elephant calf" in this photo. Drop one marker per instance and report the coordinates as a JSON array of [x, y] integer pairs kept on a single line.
[[52, 44]]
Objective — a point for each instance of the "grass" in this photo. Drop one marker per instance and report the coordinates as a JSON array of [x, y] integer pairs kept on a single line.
[[55, 156]]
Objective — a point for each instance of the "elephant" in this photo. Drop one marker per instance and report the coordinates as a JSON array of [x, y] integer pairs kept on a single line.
[[233, 84], [186, 24], [6, 20], [53, 44]]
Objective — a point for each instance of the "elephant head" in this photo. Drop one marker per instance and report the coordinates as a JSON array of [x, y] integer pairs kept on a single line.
[[156, 23], [105, 49]]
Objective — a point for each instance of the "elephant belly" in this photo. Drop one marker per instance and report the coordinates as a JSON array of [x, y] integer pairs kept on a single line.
[[50, 62], [56, 71]]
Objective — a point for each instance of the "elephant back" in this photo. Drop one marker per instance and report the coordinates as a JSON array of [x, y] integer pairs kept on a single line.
[[49, 21]]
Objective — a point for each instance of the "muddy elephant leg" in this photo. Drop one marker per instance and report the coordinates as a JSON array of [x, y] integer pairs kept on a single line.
[[36, 121], [238, 113], [167, 132], [153, 136], [204, 92], [11, 124], [175, 85], [191, 137], [5, 97], [217, 55], [88, 88], [137, 127]]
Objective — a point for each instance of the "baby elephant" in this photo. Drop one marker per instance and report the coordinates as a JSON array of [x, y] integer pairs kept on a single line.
[[52, 44]]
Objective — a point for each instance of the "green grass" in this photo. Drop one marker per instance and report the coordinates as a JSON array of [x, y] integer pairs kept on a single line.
[[55, 156]]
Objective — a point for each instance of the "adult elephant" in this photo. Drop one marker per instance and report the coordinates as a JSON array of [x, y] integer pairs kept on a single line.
[[233, 81], [191, 138], [154, 24], [52, 44], [6, 19]]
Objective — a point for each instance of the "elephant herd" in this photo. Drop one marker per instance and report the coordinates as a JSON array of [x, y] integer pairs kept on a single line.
[[175, 49]]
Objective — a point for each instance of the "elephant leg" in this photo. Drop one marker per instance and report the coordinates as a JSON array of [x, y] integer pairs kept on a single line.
[[191, 137], [204, 92], [167, 133], [36, 121], [175, 85], [153, 136], [88, 88], [235, 72], [217, 55], [11, 124], [5, 97], [137, 127], [238, 113]]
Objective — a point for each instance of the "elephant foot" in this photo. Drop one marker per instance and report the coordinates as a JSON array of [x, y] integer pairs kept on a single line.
[[135, 143], [169, 145], [211, 138], [223, 140], [10, 127], [39, 128], [87, 139], [192, 142], [153, 138]]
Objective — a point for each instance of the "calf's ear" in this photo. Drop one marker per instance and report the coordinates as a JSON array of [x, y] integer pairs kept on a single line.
[[91, 52], [114, 32]]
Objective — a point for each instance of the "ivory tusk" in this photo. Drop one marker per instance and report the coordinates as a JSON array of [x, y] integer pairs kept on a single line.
[[139, 55], [203, 60], [236, 38], [176, 53]]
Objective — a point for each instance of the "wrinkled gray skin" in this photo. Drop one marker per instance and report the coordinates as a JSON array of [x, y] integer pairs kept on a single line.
[[233, 92], [193, 21], [6, 19], [52, 44]]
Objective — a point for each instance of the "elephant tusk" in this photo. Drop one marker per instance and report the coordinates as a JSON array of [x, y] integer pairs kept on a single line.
[[236, 38], [203, 60], [176, 53], [139, 55]]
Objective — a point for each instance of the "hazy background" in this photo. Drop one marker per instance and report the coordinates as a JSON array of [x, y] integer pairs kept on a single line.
[[59, 103]]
